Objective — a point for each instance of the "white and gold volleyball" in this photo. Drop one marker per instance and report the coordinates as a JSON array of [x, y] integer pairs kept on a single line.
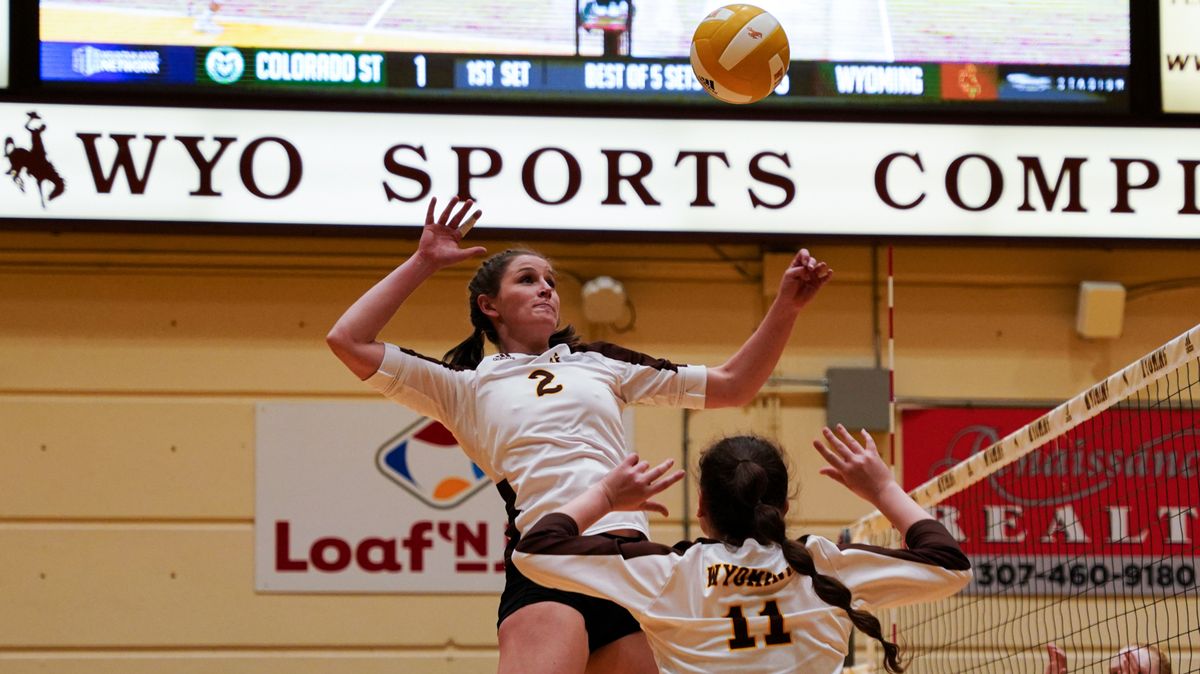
[[739, 53]]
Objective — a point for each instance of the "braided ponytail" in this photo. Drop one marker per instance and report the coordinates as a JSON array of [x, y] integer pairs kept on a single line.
[[467, 353], [744, 480]]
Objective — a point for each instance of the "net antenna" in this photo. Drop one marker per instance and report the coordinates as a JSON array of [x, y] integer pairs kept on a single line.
[[1081, 527]]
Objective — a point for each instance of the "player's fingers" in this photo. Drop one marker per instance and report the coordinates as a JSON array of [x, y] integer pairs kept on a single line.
[[477, 251], [831, 457], [848, 440], [832, 474], [466, 226], [868, 442], [836, 444], [656, 507], [667, 481], [429, 212], [799, 273], [823, 271], [462, 212], [654, 473], [446, 211]]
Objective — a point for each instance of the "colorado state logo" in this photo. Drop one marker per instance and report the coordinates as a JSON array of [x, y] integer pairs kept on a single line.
[[427, 462], [224, 65]]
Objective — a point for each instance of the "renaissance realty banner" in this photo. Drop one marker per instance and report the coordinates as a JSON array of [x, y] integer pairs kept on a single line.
[[1112, 506], [266, 167]]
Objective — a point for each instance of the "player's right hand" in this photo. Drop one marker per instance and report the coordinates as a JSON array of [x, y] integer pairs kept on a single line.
[[856, 466], [442, 235], [630, 485]]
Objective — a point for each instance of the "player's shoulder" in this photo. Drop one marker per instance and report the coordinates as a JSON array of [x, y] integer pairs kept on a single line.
[[620, 354]]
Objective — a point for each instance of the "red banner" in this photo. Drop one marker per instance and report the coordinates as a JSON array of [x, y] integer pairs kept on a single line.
[[1124, 484]]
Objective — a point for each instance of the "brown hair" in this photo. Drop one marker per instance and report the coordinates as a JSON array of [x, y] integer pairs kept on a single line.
[[469, 352], [745, 484]]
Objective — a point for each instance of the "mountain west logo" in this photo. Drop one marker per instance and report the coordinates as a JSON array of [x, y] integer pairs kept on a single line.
[[33, 163], [427, 462]]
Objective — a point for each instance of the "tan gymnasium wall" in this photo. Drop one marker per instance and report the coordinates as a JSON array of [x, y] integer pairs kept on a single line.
[[130, 366]]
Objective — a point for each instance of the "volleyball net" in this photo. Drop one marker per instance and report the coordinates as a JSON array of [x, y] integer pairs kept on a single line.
[[1081, 524]]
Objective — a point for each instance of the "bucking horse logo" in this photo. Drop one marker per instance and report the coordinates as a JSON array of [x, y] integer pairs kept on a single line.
[[33, 163]]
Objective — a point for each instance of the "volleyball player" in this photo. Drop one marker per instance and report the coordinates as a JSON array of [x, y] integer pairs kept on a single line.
[[1128, 660], [543, 417], [748, 598]]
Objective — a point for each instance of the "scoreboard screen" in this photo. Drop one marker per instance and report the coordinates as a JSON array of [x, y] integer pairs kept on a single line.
[[968, 54]]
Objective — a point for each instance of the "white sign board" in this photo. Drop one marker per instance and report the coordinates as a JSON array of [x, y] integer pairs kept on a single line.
[[370, 497], [1180, 58], [589, 174], [5, 43]]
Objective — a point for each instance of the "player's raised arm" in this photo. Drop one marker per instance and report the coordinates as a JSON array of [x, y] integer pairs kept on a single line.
[[739, 379], [353, 338], [857, 467]]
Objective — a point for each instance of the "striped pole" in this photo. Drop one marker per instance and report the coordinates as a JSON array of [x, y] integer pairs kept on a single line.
[[891, 308]]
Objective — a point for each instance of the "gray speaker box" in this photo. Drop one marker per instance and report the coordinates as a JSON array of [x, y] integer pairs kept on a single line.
[[858, 398]]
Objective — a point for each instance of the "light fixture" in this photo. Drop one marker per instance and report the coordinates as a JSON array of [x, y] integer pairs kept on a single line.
[[605, 302]]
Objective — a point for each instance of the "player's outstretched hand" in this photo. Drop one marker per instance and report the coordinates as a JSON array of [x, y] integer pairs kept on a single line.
[[1056, 660], [856, 466], [803, 279], [630, 485], [442, 235]]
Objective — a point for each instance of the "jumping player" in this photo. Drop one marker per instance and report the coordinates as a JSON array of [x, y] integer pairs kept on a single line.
[[205, 12], [542, 418], [749, 599]]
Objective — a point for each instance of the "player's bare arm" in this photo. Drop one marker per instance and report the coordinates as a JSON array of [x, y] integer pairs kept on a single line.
[[739, 379], [857, 467], [354, 337]]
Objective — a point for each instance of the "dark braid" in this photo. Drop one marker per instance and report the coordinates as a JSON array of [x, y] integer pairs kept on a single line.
[[745, 485], [469, 352]]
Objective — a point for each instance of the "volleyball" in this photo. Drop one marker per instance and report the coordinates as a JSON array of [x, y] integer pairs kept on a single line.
[[739, 53]]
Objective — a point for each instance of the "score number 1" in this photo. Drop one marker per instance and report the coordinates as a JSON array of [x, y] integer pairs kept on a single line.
[[419, 63]]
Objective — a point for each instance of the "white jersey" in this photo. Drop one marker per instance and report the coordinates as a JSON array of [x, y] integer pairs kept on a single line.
[[543, 427], [710, 607]]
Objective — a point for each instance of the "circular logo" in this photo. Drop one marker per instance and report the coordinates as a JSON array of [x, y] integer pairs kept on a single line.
[[224, 65]]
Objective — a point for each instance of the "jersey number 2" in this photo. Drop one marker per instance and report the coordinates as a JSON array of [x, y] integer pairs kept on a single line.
[[741, 630], [544, 388]]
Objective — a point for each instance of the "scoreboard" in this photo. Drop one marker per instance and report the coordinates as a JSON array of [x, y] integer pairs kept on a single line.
[[574, 78]]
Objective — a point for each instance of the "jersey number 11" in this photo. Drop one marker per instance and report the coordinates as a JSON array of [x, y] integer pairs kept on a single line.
[[741, 629]]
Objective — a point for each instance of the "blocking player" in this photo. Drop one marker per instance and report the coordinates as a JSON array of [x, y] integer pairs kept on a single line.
[[1146, 659], [542, 418], [748, 598]]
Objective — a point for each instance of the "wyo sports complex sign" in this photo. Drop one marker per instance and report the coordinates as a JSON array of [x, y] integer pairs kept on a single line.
[[594, 174]]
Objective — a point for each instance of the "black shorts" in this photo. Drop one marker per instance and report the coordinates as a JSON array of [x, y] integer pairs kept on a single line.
[[605, 621]]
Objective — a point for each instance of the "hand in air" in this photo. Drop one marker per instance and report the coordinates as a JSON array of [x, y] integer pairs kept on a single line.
[[630, 485], [441, 236], [803, 279], [1056, 660], [856, 466]]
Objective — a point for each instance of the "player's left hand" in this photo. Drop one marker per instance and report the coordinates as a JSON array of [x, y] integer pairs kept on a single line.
[[630, 485], [803, 279], [1056, 660], [852, 464]]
